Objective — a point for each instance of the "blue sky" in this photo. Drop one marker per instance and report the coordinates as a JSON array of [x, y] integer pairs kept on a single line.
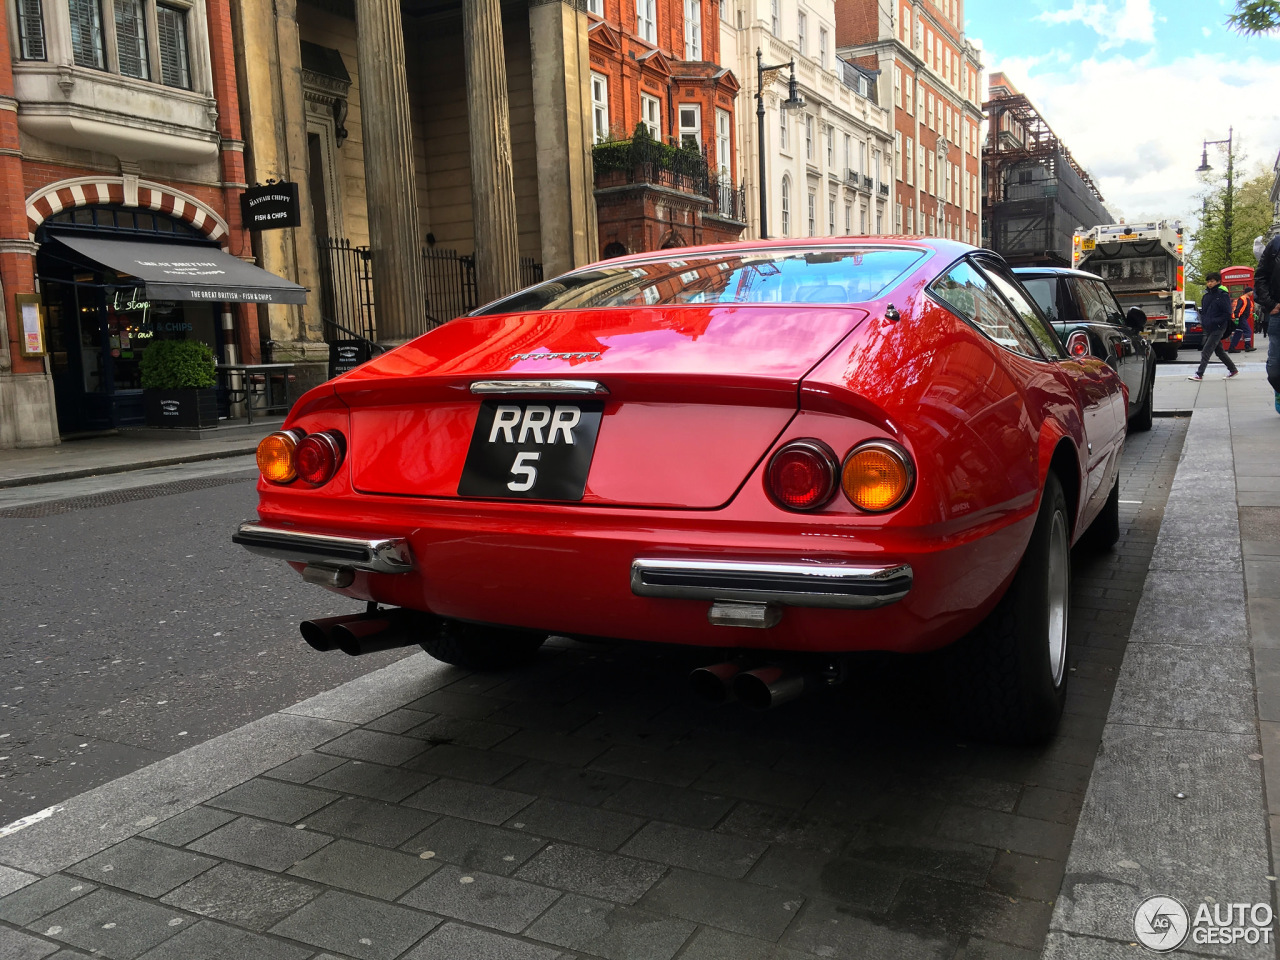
[[1134, 86]]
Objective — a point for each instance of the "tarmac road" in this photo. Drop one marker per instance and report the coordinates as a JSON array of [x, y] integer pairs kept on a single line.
[[135, 629]]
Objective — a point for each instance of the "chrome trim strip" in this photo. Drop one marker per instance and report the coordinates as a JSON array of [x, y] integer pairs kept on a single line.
[[837, 585], [560, 387], [377, 555]]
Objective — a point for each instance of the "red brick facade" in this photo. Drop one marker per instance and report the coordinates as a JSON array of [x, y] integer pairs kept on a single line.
[[635, 70]]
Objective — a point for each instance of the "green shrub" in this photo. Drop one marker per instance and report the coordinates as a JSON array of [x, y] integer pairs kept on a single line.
[[177, 365]]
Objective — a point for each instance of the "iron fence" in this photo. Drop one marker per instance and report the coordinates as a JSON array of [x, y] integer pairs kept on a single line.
[[346, 290], [730, 201]]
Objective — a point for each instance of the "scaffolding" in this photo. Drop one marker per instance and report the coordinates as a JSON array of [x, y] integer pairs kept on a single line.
[[1035, 194]]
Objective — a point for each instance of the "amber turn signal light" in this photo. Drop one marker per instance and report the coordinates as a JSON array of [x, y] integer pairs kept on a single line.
[[877, 476], [275, 457]]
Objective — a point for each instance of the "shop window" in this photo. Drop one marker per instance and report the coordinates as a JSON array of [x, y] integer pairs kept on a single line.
[[31, 30], [86, 33]]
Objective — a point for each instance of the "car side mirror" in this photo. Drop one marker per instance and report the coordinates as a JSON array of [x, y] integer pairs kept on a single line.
[[1136, 319]]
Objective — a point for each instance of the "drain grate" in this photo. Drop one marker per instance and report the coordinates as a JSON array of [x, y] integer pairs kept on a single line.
[[53, 507]]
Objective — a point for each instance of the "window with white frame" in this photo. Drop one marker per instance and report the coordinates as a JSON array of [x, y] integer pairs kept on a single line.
[[831, 216], [724, 128], [690, 115], [646, 23], [862, 218], [693, 29], [911, 219], [930, 184], [848, 219], [929, 112], [30, 30], [878, 172], [898, 152], [909, 98], [897, 85], [822, 46], [808, 136], [726, 13], [906, 25], [800, 31], [651, 115], [879, 220], [848, 152], [599, 107], [784, 142], [775, 10], [831, 147], [596, 7], [920, 166], [813, 212], [785, 195], [910, 162]]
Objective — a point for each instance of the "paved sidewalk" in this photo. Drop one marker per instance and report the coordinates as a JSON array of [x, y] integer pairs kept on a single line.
[[126, 451], [1185, 797]]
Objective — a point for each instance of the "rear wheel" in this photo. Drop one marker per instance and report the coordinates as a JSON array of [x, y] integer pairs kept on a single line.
[[481, 648], [1008, 678]]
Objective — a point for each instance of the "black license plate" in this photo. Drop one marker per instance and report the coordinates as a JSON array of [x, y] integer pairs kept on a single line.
[[532, 450]]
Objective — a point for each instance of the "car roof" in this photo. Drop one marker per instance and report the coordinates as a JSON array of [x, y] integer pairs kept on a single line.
[[1054, 272]]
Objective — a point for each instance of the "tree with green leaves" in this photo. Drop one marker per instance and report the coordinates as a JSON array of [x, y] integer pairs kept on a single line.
[[1255, 16], [1212, 247]]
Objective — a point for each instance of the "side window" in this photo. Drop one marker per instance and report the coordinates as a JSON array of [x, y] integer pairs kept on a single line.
[[1091, 306], [968, 292], [1031, 317], [1109, 303], [1044, 290]]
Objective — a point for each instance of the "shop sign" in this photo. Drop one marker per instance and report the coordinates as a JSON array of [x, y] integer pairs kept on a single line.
[[31, 324], [271, 207], [346, 355]]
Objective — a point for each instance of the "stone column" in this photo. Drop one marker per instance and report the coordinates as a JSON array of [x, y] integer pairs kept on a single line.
[[399, 287], [493, 192], [562, 129]]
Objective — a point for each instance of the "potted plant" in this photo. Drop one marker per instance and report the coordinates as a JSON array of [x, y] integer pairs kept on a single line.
[[178, 379]]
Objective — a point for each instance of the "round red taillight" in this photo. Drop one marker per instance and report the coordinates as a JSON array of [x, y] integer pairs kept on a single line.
[[1078, 344], [802, 475], [318, 456]]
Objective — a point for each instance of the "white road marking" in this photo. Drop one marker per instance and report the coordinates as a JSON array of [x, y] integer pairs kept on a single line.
[[24, 822]]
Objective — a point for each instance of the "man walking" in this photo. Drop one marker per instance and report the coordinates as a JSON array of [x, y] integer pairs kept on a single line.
[[1215, 314], [1267, 286], [1242, 314]]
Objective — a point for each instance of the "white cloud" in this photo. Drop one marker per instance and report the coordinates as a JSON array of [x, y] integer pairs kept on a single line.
[[1137, 125], [1206, 31], [1130, 21]]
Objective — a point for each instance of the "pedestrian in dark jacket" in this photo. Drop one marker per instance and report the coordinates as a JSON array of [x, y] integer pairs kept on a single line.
[[1215, 314], [1266, 287]]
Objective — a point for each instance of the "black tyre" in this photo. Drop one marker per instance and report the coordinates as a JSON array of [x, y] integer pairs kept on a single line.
[[1141, 421], [1008, 678], [481, 648], [1105, 529]]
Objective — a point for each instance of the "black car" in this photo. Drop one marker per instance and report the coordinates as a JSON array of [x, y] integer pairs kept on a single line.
[[1088, 317]]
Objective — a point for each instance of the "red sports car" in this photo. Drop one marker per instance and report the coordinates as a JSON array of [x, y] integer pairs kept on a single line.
[[790, 450]]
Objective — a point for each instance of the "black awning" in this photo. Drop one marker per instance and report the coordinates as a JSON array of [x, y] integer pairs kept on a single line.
[[174, 271]]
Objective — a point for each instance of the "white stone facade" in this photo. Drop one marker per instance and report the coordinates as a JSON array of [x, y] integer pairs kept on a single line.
[[828, 164]]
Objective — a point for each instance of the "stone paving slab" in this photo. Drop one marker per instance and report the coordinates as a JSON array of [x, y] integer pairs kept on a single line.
[[589, 808]]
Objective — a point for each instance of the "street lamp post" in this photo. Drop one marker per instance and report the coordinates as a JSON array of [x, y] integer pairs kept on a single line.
[[793, 100], [1226, 203]]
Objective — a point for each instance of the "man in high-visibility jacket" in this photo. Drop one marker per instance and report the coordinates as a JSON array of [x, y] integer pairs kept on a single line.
[[1242, 314]]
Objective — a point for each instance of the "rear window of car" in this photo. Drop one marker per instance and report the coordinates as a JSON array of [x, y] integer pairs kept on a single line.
[[1043, 291], [826, 276]]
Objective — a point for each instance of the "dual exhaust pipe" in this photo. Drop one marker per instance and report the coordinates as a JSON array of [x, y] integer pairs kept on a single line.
[[358, 634], [761, 688]]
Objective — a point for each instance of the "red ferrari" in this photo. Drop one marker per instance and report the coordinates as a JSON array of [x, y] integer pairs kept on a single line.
[[789, 450]]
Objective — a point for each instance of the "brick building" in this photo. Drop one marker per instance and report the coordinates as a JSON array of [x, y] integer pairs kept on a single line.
[[119, 126], [657, 63], [936, 93]]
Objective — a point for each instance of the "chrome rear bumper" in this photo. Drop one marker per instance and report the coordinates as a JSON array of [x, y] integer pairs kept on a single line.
[[794, 584], [379, 555]]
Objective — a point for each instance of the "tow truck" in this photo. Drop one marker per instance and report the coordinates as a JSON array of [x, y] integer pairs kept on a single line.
[[1143, 265]]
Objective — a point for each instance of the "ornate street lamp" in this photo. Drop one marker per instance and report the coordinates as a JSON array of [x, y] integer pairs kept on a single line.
[[1226, 203], [793, 101]]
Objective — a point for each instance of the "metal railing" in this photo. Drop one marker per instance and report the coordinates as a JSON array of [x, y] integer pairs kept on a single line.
[[346, 290], [729, 201]]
